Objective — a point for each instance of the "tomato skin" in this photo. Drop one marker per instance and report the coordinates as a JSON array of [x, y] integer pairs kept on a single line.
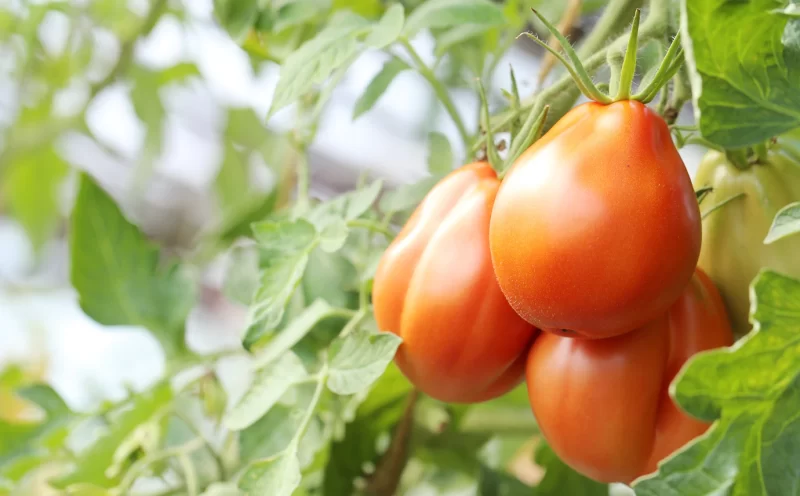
[[733, 236], [604, 406], [596, 229], [435, 288]]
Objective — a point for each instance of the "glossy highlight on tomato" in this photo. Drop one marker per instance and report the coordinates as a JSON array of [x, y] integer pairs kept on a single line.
[[435, 288], [604, 406], [596, 229]]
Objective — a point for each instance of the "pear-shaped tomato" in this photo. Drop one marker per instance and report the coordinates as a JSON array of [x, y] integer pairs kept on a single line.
[[596, 229], [436, 289], [603, 404], [733, 236]]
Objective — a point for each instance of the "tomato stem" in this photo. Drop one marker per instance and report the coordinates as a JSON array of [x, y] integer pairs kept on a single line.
[[670, 65], [530, 132], [576, 68], [491, 147], [439, 89], [629, 62]]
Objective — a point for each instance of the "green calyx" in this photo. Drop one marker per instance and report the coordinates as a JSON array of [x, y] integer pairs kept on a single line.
[[530, 131], [622, 77]]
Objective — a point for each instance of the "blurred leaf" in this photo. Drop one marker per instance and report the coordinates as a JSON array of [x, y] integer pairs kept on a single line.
[[447, 13], [388, 29], [359, 201], [24, 446], [786, 223], [269, 384], [236, 16], [246, 129], [369, 9], [282, 341], [376, 416], [457, 35], [332, 277], [408, 196], [297, 12], [440, 155], [333, 234], [495, 483], [285, 247], [178, 73], [271, 434], [359, 358], [31, 186], [93, 463], [316, 59], [378, 86], [241, 278], [149, 108], [561, 479], [222, 489], [751, 392], [233, 179], [214, 396], [278, 476], [117, 272]]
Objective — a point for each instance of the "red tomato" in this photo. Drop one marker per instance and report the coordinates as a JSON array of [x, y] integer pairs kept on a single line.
[[603, 404], [596, 228], [435, 288]]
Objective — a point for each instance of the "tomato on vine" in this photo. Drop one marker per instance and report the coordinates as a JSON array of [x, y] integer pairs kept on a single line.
[[603, 404], [435, 288], [596, 229]]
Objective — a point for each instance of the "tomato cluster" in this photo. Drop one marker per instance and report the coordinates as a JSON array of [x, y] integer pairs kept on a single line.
[[576, 272]]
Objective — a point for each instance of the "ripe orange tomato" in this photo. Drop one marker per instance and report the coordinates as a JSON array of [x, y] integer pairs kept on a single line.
[[435, 288], [596, 229], [603, 404]]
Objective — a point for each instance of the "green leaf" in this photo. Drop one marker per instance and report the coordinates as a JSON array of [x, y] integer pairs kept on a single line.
[[375, 417], [408, 196], [388, 29], [269, 384], [93, 464], [282, 341], [119, 275], [495, 483], [222, 489], [751, 67], [447, 13], [333, 234], [786, 223], [285, 247], [178, 73], [317, 58], [359, 201], [278, 476], [378, 86], [241, 278], [271, 434], [233, 179], [149, 108], [561, 479], [440, 155], [359, 359], [31, 186], [236, 16], [752, 393], [297, 12]]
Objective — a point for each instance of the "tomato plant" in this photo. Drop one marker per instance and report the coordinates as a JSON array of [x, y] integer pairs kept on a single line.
[[240, 286]]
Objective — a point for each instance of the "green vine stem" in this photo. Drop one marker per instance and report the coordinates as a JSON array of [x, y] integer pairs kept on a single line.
[[439, 89]]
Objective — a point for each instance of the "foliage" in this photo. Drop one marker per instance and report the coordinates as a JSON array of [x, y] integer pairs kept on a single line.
[[325, 410]]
